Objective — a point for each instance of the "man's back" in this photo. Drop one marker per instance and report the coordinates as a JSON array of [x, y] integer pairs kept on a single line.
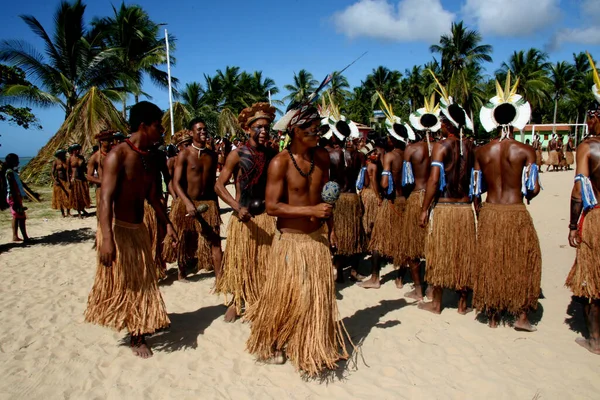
[[395, 159], [501, 163], [457, 167], [418, 155]]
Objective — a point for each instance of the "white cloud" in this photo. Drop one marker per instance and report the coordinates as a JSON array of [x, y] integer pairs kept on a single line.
[[588, 32], [511, 17], [408, 20]]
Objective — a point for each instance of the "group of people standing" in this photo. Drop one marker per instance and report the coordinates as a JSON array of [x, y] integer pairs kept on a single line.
[[406, 197], [560, 154]]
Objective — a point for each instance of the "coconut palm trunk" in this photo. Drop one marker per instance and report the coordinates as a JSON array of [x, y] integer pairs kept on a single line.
[[555, 112]]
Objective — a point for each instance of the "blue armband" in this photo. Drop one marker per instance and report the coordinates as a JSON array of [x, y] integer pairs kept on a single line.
[[587, 192], [360, 182], [442, 184], [390, 188], [408, 178], [475, 186]]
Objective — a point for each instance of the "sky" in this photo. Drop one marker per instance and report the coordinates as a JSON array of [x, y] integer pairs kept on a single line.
[[321, 36]]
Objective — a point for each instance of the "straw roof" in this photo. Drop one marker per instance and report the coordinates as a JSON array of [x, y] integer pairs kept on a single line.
[[92, 114]]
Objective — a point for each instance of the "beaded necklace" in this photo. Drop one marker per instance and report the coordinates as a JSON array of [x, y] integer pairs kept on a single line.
[[312, 164], [143, 154]]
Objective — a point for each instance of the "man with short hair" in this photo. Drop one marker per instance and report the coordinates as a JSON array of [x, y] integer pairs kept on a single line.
[[584, 231], [251, 230], [125, 292], [194, 182], [94, 164], [297, 311]]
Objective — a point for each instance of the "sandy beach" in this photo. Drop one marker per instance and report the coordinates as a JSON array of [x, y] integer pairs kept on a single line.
[[48, 352]]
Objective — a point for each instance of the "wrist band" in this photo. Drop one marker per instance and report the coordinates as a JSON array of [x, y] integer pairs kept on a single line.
[[573, 227]]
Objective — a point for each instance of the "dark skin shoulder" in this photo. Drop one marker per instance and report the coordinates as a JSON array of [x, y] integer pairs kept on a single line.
[[336, 169], [94, 165], [418, 155], [392, 161], [501, 163], [194, 176]]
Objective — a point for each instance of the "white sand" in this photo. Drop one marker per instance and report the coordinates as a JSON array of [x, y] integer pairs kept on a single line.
[[48, 352]]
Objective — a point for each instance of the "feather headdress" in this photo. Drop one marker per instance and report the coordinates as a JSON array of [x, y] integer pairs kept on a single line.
[[392, 122], [596, 87]]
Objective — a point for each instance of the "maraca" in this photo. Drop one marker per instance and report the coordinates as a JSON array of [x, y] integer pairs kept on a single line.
[[256, 207], [201, 209], [330, 194]]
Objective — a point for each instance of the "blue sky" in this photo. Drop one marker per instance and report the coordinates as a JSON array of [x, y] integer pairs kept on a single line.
[[282, 37]]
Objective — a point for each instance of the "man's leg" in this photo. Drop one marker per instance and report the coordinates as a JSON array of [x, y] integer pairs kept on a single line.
[[434, 306], [417, 293], [592, 318], [462, 302], [15, 226], [494, 318], [373, 282], [23, 229], [523, 323]]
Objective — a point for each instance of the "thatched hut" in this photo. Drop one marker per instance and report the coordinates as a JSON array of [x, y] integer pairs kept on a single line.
[[92, 114]]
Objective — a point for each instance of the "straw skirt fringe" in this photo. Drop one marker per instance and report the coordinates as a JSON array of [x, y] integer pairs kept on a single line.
[[569, 158], [538, 158], [347, 222], [157, 235], [196, 234], [126, 294], [371, 205], [60, 196], [297, 311], [387, 229], [584, 277], [245, 259], [79, 195], [412, 237], [552, 158], [509, 261], [450, 246]]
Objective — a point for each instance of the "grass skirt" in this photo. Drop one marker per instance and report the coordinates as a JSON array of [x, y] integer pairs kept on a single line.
[[584, 277], [79, 195], [60, 196], [196, 234], [412, 236], [347, 222], [385, 238], [297, 310], [569, 158], [552, 158], [126, 295], [245, 259], [371, 205], [450, 246], [538, 158], [157, 236], [508, 271]]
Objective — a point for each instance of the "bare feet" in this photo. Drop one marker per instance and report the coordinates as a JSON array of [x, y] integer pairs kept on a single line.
[[277, 359], [399, 283], [182, 278], [430, 307], [429, 292], [370, 284], [413, 294], [465, 310], [17, 239], [524, 326], [231, 314], [591, 345], [142, 351]]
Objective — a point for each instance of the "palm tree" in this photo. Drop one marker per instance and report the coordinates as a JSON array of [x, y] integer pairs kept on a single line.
[[93, 113], [139, 50], [234, 89], [338, 89], [413, 86], [72, 63], [531, 68], [192, 97], [459, 50], [562, 75], [304, 84]]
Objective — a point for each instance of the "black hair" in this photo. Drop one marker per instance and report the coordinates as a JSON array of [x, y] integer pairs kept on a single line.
[[323, 129], [343, 128], [428, 120], [505, 113], [323, 142], [143, 112], [401, 130], [171, 150], [95, 148], [457, 114], [398, 144], [195, 121], [381, 142], [11, 159]]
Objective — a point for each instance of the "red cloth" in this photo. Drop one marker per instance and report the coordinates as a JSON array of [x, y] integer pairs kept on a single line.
[[16, 209]]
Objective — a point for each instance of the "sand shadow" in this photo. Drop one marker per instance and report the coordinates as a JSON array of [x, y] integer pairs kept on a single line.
[[57, 238], [576, 318], [185, 329], [359, 325]]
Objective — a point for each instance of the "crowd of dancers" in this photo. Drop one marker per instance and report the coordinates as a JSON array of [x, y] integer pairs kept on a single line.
[[411, 197]]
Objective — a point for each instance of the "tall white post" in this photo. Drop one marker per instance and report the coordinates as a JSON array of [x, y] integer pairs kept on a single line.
[[170, 89]]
